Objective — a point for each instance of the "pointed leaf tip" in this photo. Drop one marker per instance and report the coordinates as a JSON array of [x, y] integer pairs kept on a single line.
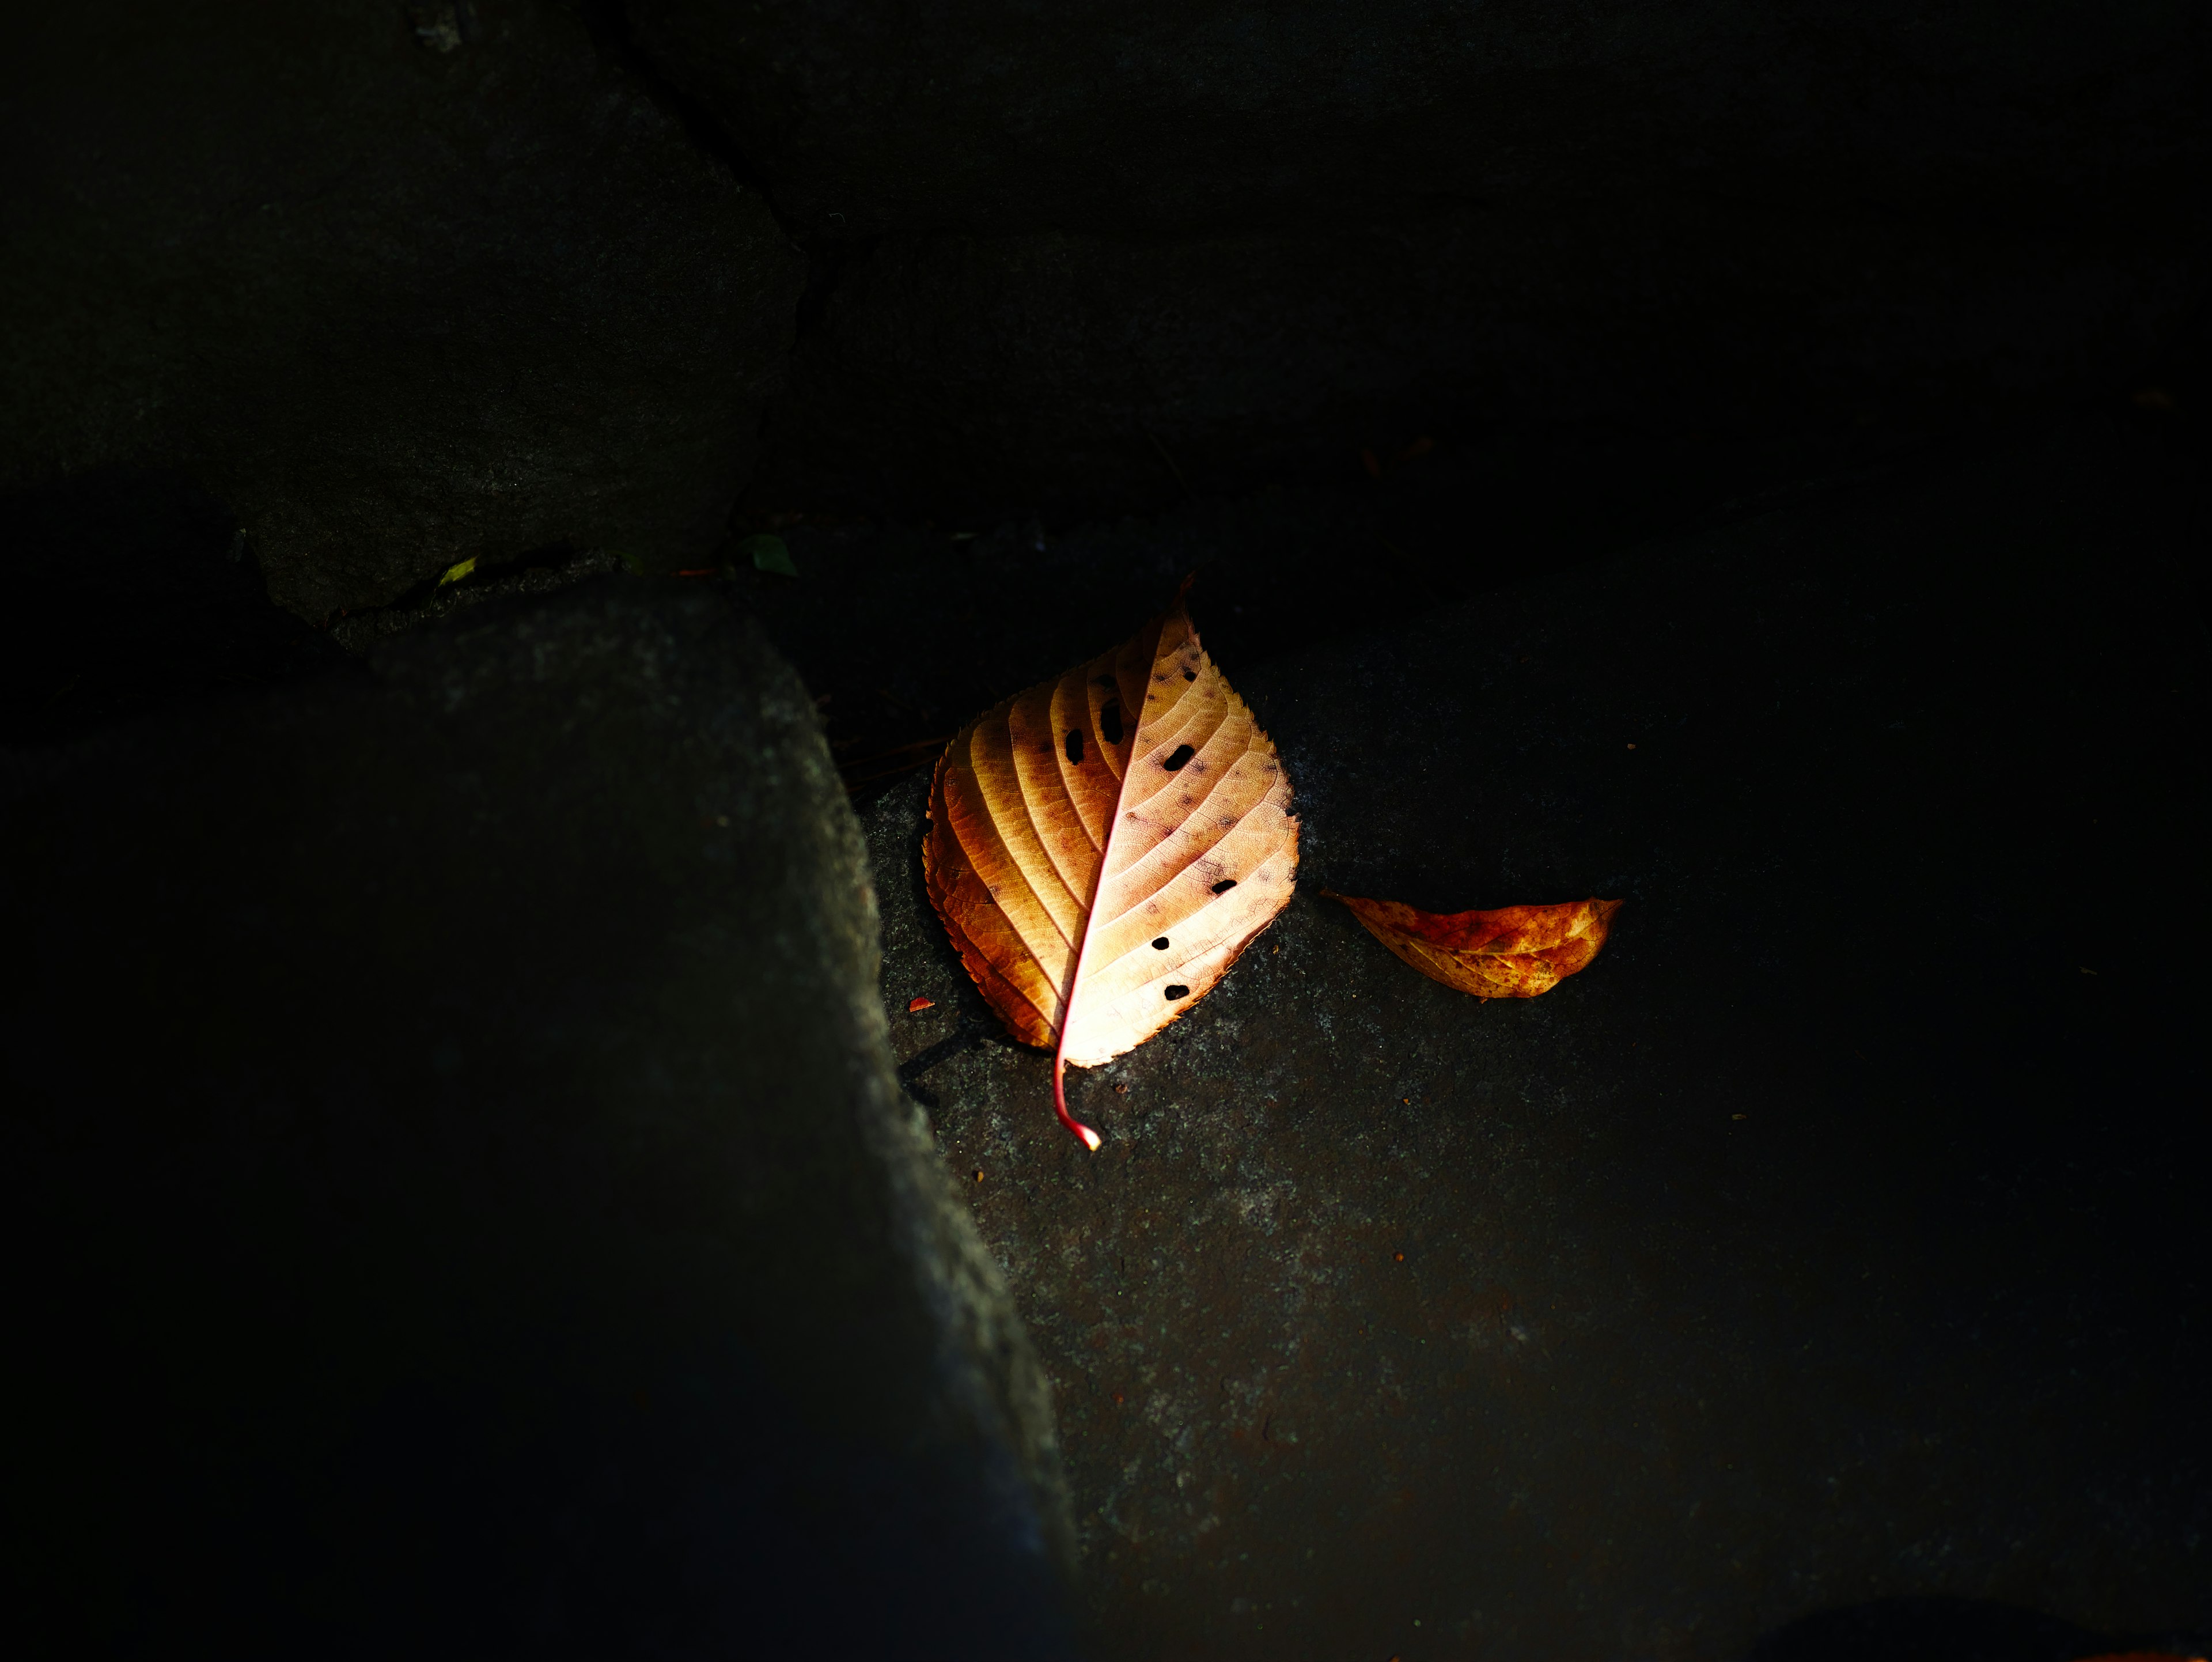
[[1515, 951]]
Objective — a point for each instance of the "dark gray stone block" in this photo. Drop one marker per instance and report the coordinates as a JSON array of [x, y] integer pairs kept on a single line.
[[1834, 1238], [399, 286], [456, 1199]]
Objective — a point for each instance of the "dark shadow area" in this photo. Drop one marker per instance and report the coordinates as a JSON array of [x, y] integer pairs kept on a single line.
[[130, 592], [903, 630], [1955, 1630]]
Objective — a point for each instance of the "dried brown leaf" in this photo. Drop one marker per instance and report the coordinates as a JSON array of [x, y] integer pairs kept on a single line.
[[1515, 951], [1103, 846]]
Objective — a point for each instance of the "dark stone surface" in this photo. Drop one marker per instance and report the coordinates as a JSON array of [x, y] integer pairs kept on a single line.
[[456, 1199], [1050, 244], [1079, 375], [398, 286], [1834, 1238], [1001, 115], [132, 591], [902, 630], [1956, 1630]]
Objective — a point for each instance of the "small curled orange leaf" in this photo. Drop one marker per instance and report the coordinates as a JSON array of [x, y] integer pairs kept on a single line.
[[1102, 847], [1515, 951]]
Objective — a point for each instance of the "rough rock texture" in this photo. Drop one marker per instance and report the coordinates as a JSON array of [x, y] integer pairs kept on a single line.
[[1051, 244], [1832, 1238], [458, 1200], [398, 286]]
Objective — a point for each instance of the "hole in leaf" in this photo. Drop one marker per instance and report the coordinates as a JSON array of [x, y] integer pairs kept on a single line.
[[1161, 945], [1182, 754], [1175, 993], [1190, 675], [1109, 723], [1224, 886], [1075, 746]]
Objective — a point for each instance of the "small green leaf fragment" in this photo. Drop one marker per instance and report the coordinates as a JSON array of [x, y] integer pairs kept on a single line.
[[768, 554], [455, 573], [634, 563]]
